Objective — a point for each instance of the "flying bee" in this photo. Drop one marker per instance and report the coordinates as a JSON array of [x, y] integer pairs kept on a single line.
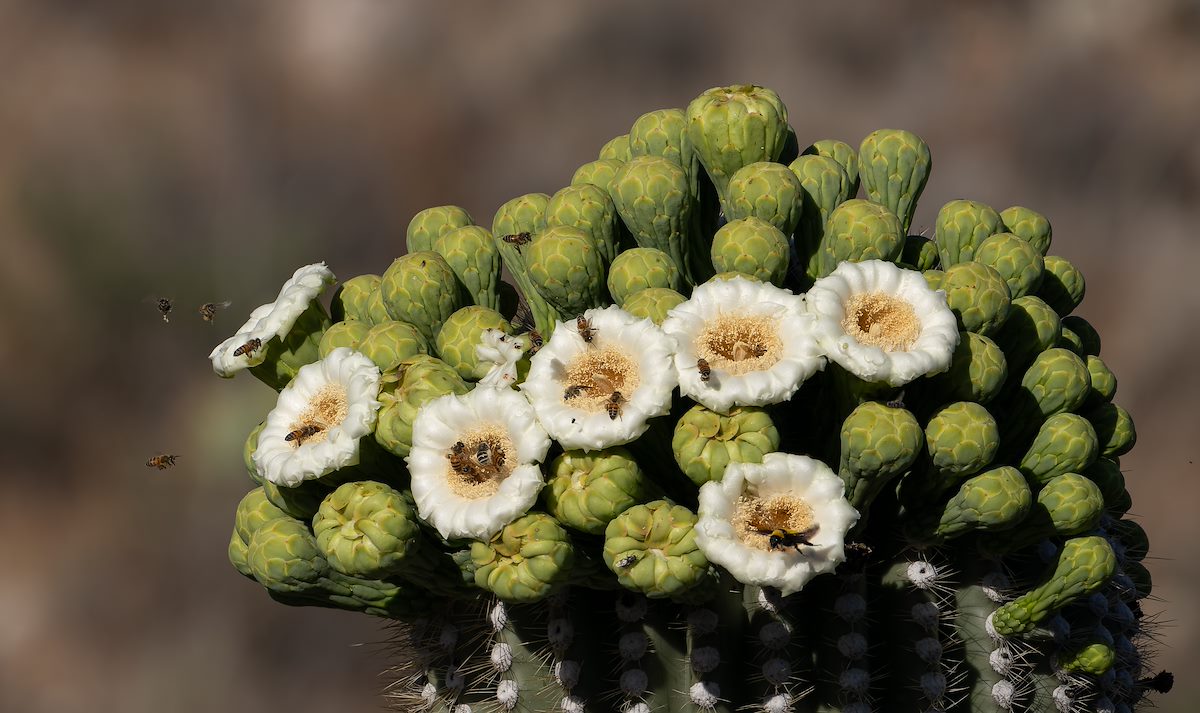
[[584, 325], [518, 239], [1162, 682], [781, 538], [208, 310], [704, 369], [575, 391], [613, 405], [742, 350], [626, 561], [164, 305], [162, 462], [535, 341], [248, 348], [308, 430]]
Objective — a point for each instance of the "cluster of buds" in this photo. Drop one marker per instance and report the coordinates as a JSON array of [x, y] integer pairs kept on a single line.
[[735, 429]]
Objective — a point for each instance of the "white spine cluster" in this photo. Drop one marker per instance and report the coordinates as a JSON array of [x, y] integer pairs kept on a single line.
[[1004, 693], [498, 616], [507, 694], [705, 659], [633, 683], [572, 704], [502, 657], [778, 703], [927, 615], [777, 671], [566, 672], [995, 586], [705, 695]]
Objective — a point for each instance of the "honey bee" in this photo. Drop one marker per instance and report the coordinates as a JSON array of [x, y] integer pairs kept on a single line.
[[742, 350], [248, 348], [574, 391], [704, 369], [162, 462], [584, 325], [483, 454], [613, 405], [461, 463], [208, 310], [458, 448], [306, 431], [164, 307], [626, 561], [535, 341], [781, 538], [518, 239], [897, 402]]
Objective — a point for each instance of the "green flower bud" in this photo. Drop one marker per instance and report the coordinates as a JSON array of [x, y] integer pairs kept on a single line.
[[253, 512], [768, 191], [1069, 340], [961, 440], [420, 288], [732, 127], [825, 186], [752, 247], [1133, 537], [524, 214], [617, 148], [1030, 329], [1106, 474], [597, 173], [592, 211], [878, 444], [376, 310], [894, 166], [1084, 566], [1062, 285], [1089, 338], [343, 334], [1095, 659], [978, 296], [992, 501], [652, 549], [458, 337], [1028, 225], [1017, 261], [302, 501], [366, 529], [919, 253], [663, 133], [652, 196], [567, 268], [391, 343], [423, 378], [706, 441], [431, 223], [1114, 429], [840, 151], [977, 370], [653, 303], [474, 257], [1065, 443], [1103, 382], [585, 491], [1067, 505], [960, 227], [283, 556], [860, 230], [934, 278], [1057, 381], [248, 449], [639, 269], [350, 299], [525, 560]]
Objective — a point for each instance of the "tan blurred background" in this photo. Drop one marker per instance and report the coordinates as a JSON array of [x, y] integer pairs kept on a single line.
[[202, 151]]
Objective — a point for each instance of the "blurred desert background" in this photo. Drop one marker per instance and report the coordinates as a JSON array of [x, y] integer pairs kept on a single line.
[[203, 150]]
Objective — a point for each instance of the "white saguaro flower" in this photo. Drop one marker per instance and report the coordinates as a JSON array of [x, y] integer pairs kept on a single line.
[[742, 343], [778, 523], [245, 348], [883, 323], [320, 416], [474, 461], [600, 379], [502, 351]]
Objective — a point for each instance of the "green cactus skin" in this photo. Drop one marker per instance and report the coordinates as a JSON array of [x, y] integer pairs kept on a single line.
[[752, 247], [616, 149], [1089, 338], [283, 356], [878, 444], [585, 491], [1062, 285], [430, 224], [638, 269], [934, 278], [1114, 429], [660, 538], [566, 266], [894, 166], [1028, 225], [1030, 329], [652, 197], [343, 334], [653, 303], [706, 441], [978, 370], [524, 214], [960, 227], [860, 230], [472, 254], [349, 301], [1017, 262], [462, 332], [589, 209], [735, 126], [1103, 382], [919, 253], [1084, 566], [1106, 474], [598, 173], [420, 288], [826, 186], [840, 151], [525, 561], [978, 296], [422, 379], [768, 191], [1065, 443], [389, 344]]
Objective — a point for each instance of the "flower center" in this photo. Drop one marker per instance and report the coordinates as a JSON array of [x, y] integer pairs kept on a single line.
[[881, 320], [477, 464], [780, 522], [591, 379], [325, 410], [738, 344]]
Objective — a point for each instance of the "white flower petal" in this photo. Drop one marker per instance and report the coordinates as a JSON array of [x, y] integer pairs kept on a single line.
[[502, 352]]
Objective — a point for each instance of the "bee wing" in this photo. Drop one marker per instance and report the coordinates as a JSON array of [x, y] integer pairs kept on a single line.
[[523, 320]]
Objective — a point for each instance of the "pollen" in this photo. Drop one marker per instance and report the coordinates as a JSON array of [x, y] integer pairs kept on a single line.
[[737, 344], [881, 320], [473, 480], [598, 373], [754, 518], [326, 409]]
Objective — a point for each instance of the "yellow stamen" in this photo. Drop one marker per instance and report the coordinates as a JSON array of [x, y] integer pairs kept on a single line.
[[600, 371], [737, 344], [325, 410], [482, 481], [881, 320], [754, 519]]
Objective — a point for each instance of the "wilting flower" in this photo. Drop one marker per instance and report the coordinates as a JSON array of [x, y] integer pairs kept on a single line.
[[742, 343], [474, 461], [882, 323], [319, 417], [778, 523], [598, 381], [502, 351]]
